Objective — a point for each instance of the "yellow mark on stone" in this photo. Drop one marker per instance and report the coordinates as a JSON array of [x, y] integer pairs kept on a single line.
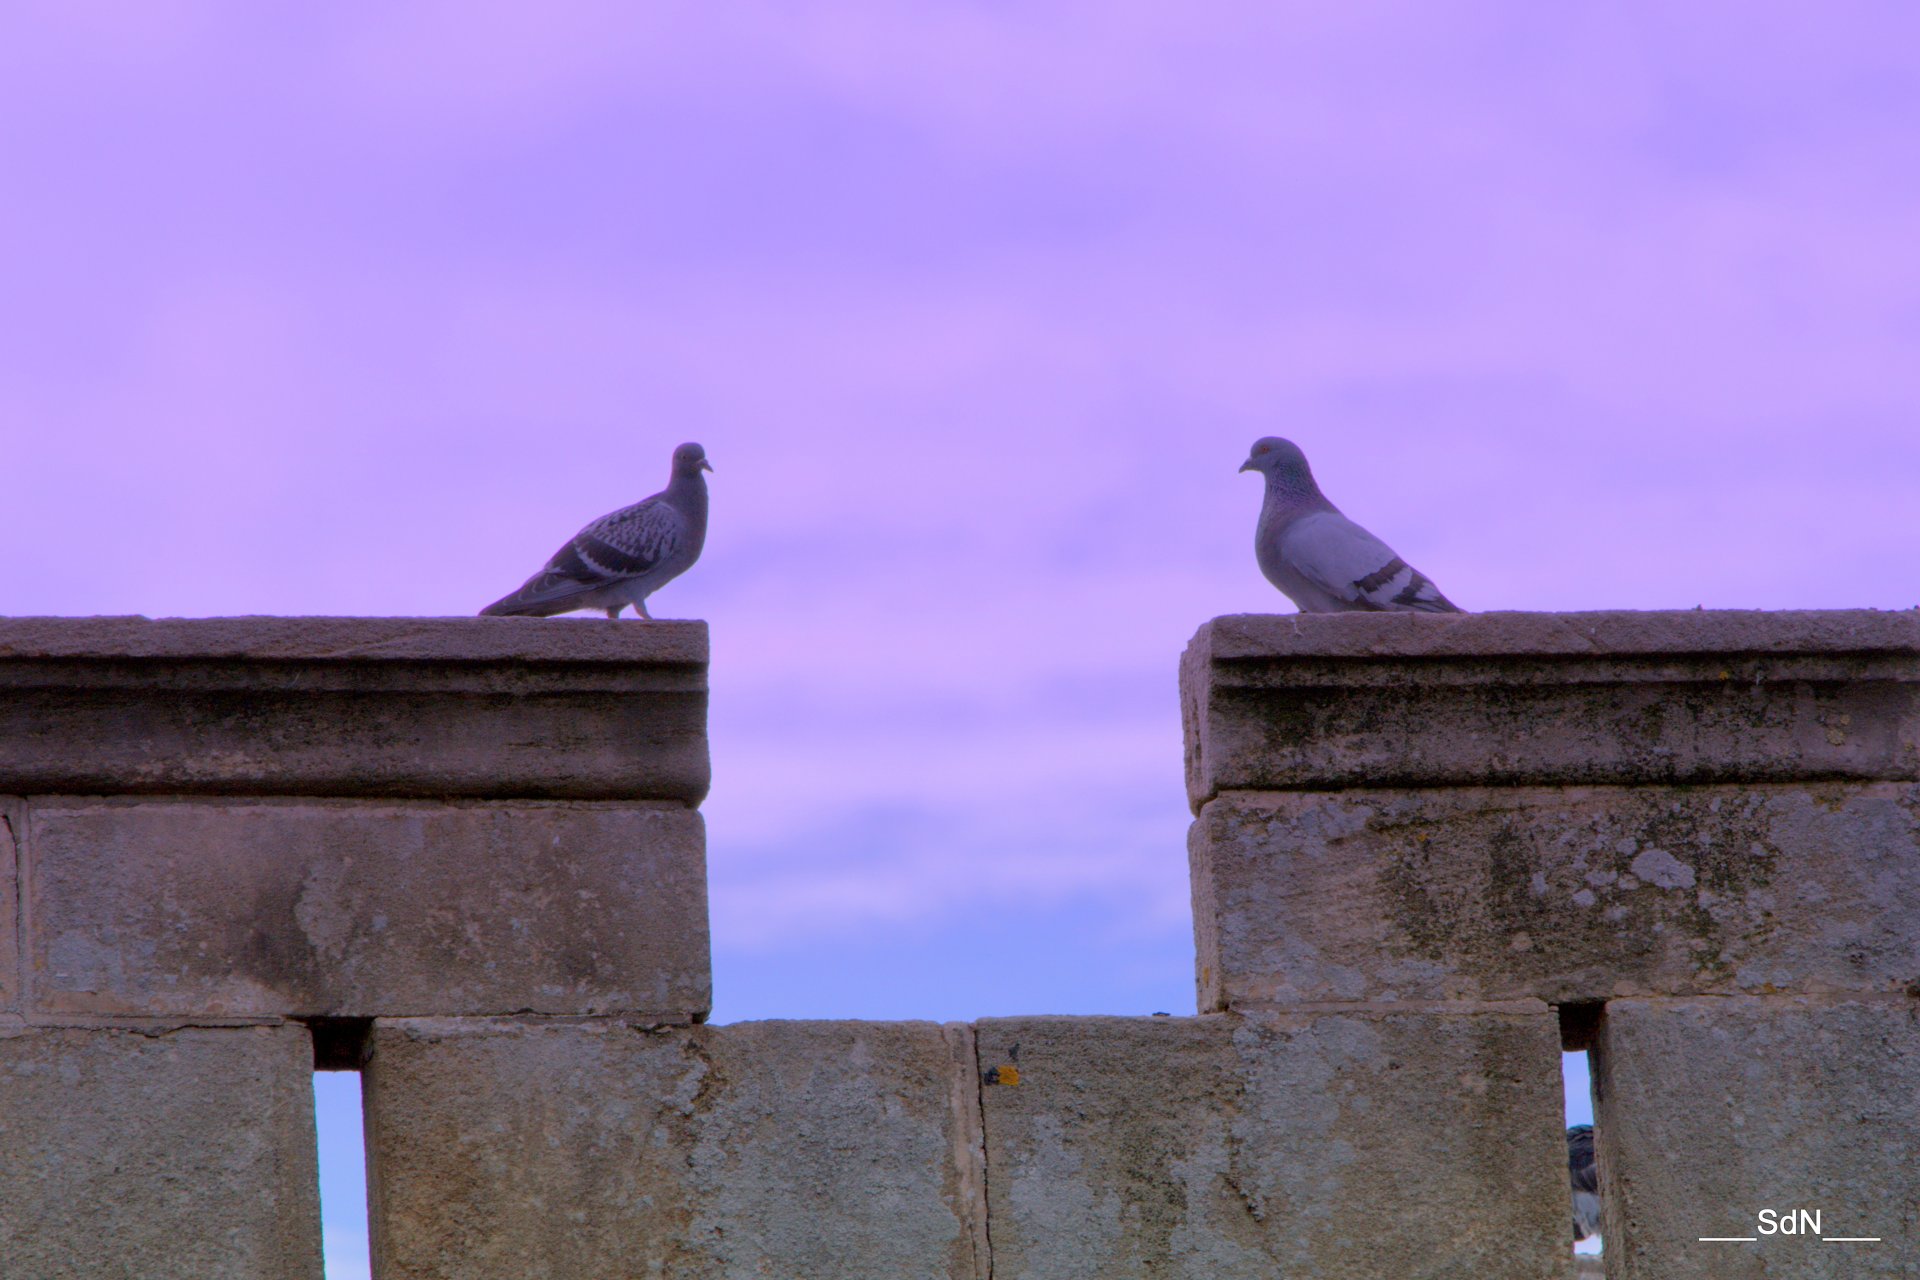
[[1003, 1075]]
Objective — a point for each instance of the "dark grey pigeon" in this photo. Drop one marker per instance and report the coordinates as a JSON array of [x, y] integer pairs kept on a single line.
[[1586, 1181], [1323, 561], [623, 558]]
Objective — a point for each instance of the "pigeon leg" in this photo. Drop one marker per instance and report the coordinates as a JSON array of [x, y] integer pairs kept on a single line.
[[640, 607], [613, 613]]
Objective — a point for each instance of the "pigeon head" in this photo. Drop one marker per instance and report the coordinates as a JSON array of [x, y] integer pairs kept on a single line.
[[690, 460], [1282, 463]]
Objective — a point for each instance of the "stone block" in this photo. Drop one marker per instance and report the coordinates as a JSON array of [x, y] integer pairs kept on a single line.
[[176, 1155], [489, 708], [508, 1151], [365, 908], [10, 810], [1557, 894], [1712, 1110], [1326, 701], [1327, 1147]]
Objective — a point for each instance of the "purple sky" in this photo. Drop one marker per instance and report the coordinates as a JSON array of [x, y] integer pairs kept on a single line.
[[356, 309]]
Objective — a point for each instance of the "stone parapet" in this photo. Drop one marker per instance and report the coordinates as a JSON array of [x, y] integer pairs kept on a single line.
[[179, 1155], [493, 708], [1323, 702], [1697, 833], [467, 853], [1565, 807], [1338, 1146], [186, 908], [509, 1149]]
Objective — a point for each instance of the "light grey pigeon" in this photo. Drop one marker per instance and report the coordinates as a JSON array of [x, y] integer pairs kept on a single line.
[[621, 559], [1324, 562], [1586, 1181]]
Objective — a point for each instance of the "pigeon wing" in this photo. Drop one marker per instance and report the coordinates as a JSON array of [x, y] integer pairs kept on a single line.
[[630, 542], [1350, 564], [626, 544]]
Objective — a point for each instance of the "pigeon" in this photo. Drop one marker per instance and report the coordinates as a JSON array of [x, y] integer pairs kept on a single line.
[[622, 558], [1586, 1181], [1324, 562]]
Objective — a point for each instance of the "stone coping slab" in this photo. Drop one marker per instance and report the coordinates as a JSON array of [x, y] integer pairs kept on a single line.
[[1325, 701], [1558, 894], [1258, 637], [626, 643], [473, 707], [340, 908]]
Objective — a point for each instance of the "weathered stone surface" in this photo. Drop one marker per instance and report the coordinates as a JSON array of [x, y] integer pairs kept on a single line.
[[1329, 1147], [478, 707], [1327, 701], [1710, 1111], [9, 907], [1558, 894], [515, 1151], [185, 1155], [361, 909], [459, 642]]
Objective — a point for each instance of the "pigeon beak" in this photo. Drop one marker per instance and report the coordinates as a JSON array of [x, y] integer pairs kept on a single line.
[[705, 465], [1247, 465]]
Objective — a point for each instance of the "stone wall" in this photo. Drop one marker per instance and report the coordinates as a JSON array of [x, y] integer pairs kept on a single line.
[[466, 858], [1691, 839], [231, 848]]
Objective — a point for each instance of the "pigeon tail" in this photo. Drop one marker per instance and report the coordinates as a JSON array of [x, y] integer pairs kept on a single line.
[[531, 602]]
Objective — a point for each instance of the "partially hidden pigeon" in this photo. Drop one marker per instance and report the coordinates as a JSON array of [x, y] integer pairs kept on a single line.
[[1586, 1181], [621, 559], [1324, 562]]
